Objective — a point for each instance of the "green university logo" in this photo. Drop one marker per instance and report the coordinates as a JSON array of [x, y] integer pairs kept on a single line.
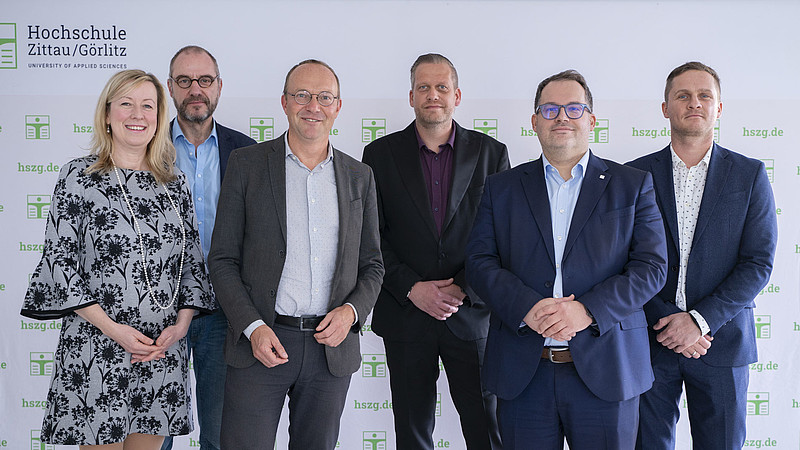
[[600, 133], [372, 129], [763, 327], [262, 128], [716, 131], [373, 366], [374, 440], [486, 126], [42, 364], [770, 165], [758, 403], [37, 127], [438, 404], [38, 206], [36, 442], [8, 46]]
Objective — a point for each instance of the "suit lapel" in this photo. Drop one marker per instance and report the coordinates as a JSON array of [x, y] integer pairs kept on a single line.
[[225, 147], [661, 168], [718, 170], [345, 188], [535, 188], [406, 157], [276, 160], [465, 159], [595, 180]]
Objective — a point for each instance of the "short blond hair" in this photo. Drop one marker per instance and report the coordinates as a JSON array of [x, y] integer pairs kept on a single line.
[[160, 155]]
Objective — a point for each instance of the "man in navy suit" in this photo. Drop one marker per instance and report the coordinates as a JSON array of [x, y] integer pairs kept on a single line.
[[720, 222], [202, 147], [566, 250]]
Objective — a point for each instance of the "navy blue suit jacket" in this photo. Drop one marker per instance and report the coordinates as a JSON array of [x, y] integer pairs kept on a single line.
[[614, 261], [732, 251], [228, 140]]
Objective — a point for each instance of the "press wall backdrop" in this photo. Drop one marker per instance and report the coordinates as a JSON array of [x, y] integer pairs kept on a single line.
[[55, 58]]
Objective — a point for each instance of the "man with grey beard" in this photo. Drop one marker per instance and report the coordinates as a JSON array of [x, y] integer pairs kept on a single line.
[[202, 147]]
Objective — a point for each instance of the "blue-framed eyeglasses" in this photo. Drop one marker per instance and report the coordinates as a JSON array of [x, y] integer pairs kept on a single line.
[[573, 110]]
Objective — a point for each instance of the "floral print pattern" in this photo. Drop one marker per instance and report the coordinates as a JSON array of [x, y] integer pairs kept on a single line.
[[92, 256]]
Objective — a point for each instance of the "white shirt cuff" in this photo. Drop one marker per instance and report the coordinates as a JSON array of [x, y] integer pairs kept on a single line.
[[355, 313], [704, 328], [249, 330]]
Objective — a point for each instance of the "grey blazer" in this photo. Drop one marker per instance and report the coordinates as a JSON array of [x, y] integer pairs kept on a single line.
[[248, 247]]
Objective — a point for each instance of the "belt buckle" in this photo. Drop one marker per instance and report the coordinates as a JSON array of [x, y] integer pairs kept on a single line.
[[303, 319], [550, 351]]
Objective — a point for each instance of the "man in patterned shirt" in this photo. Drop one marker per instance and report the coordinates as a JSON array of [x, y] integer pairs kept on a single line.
[[721, 229]]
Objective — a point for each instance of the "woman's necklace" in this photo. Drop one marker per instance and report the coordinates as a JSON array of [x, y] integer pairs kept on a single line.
[[141, 242]]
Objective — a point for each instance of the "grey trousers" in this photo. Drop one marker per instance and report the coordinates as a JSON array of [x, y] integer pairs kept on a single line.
[[254, 398]]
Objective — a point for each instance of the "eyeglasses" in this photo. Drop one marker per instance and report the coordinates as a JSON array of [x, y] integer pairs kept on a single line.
[[573, 110], [184, 82], [303, 97]]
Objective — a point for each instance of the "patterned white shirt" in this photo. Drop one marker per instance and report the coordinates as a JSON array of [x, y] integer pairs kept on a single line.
[[689, 183]]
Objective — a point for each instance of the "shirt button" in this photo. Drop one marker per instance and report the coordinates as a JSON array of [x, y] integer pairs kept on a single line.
[[313, 200], [436, 182], [561, 210], [316, 258], [559, 238], [436, 209], [200, 199], [315, 229], [199, 175]]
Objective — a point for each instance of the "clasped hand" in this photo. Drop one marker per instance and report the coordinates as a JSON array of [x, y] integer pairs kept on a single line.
[[440, 299], [681, 334], [143, 348], [558, 318]]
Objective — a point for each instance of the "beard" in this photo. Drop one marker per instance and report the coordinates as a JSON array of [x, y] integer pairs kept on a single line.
[[435, 118], [199, 115]]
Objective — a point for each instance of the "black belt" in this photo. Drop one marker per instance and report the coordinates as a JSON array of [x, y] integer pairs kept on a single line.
[[303, 323], [556, 355]]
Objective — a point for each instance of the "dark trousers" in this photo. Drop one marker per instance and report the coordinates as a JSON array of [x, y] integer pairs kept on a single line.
[[254, 398], [413, 371], [557, 405], [716, 400], [206, 341]]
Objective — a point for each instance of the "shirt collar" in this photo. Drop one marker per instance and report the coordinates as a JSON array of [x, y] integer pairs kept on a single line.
[[450, 140], [290, 153], [177, 132], [577, 171], [678, 162]]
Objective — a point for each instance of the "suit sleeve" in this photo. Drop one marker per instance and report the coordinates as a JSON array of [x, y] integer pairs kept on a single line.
[[755, 257], [460, 278], [508, 296], [644, 274], [225, 256], [399, 277], [370, 263]]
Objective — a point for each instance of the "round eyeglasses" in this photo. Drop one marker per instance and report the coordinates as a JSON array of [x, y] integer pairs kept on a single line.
[[573, 110], [185, 82], [303, 97]]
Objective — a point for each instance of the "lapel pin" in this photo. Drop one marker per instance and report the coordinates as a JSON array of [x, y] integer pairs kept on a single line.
[[602, 177]]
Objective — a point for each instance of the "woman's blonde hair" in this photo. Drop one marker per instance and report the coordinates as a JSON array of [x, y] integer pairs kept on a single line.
[[160, 155]]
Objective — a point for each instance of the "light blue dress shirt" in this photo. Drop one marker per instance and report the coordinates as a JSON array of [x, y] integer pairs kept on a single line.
[[202, 173], [312, 237], [563, 195]]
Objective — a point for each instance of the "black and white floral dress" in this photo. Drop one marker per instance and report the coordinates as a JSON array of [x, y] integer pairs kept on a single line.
[[92, 256]]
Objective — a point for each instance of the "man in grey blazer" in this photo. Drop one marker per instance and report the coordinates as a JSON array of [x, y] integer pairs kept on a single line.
[[296, 264]]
